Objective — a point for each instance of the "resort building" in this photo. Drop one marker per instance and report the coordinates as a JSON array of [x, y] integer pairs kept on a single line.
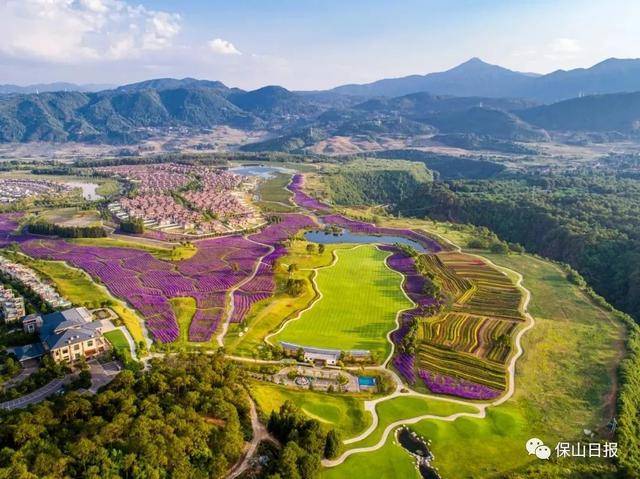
[[326, 357], [68, 336], [11, 305]]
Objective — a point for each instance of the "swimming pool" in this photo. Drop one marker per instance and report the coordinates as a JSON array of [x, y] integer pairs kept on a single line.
[[366, 381]]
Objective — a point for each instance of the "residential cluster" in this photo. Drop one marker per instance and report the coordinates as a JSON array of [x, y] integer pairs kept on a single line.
[[16, 189], [29, 279], [11, 305], [186, 199]]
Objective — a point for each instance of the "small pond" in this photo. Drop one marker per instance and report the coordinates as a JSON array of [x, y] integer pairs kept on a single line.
[[416, 446], [88, 189], [259, 170], [347, 236]]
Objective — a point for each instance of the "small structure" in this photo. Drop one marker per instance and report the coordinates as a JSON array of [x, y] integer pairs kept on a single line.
[[324, 356], [67, 336]]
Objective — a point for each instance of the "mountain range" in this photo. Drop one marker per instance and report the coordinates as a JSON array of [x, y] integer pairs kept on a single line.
[[471, 104], [477, 78]]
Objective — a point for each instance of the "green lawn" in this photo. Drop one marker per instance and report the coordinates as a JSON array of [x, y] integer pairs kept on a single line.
[[360, 299], [119, 343], [406, 407], [389, 462], [266, 316], [343, 412], [184, 309], [562, 385]]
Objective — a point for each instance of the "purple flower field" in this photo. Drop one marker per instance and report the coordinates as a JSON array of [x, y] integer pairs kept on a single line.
[[301, 198], [8, 224], [441, 384], [147, 282], [404, 363]]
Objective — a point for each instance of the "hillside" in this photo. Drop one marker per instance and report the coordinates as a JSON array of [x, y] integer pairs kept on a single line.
[[613, 112]]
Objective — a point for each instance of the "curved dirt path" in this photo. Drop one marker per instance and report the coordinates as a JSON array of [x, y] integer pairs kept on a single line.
[[231, 292], [260, 434]]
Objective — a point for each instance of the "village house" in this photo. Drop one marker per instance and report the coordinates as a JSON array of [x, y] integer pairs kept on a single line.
[[11, 305]]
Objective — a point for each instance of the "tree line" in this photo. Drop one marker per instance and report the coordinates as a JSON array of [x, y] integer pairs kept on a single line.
[[50, 229]]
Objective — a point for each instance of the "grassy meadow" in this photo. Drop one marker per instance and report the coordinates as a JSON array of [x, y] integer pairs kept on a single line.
[[358, 307]]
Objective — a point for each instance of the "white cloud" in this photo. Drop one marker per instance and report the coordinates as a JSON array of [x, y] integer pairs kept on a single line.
[[73, 31], [223, 47], [563, 48]]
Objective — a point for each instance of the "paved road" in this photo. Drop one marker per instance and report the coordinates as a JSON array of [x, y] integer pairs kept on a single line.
[[36, 396], [132, 344], [103, 374]]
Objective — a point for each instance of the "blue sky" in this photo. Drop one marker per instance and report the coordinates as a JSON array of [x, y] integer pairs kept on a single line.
[[303, 44]]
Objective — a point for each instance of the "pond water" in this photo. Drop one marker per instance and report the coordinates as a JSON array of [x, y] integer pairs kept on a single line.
[[346, 236], [88, 190], [417, 448], [261, 171]]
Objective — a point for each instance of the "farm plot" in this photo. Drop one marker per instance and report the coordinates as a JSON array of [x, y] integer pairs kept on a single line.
[[148, 283], [464, 351], [360, 298], [491, 294]]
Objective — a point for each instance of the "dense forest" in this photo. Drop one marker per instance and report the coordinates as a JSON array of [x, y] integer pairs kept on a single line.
[[187, 418], [590, 221], [376, 182]]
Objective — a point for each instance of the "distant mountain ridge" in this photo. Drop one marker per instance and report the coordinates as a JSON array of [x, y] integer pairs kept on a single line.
[[50, 87], [477, 78], [297, 120]]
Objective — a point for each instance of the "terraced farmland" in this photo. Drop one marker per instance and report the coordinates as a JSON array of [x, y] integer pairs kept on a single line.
[[462, 350]]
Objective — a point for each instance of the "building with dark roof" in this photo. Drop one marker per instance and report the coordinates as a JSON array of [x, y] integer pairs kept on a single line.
[[68, 336]]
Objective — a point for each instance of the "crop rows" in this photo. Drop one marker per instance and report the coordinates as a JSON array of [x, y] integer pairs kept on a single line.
[[481, 336], [493, 293], [147, 282], [462, 365]]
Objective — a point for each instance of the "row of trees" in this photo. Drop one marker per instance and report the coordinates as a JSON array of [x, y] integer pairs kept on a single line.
[[44, 228]]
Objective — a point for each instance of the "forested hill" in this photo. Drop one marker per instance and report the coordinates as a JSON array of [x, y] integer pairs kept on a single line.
[[590, 222], [374, 182], [188, 417]]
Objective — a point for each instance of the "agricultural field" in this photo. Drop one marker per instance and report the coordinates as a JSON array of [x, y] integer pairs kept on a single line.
[[360, 298], [77, 287], [70, 217], [273, 194]]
